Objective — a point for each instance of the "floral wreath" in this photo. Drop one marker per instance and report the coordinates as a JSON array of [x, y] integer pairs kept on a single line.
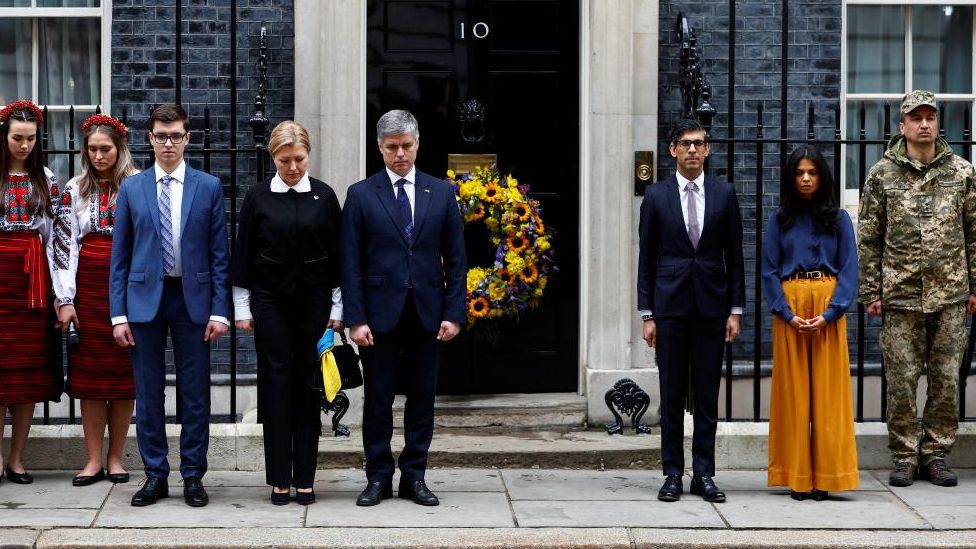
[[105, 120], [523, 253], [22, 105]]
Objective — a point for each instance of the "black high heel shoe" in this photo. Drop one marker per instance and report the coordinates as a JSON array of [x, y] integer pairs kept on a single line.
[[18, 478], [280, 498], [305, 498]]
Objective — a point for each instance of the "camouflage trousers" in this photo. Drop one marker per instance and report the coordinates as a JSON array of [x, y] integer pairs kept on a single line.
[[909, 341]]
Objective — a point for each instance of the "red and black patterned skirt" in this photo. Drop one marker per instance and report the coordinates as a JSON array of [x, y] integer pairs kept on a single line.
[[98, 369], [30, 363]]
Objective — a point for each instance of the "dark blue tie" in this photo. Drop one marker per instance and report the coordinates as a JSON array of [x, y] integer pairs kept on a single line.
[[406, 217]]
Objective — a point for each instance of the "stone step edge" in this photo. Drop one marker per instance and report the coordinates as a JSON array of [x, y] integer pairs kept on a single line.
[[483, 538]]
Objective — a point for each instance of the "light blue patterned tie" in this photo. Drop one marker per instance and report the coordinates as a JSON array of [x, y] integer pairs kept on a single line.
[[166, 226]]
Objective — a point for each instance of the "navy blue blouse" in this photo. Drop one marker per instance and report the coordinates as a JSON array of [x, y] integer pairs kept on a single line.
[[804, 248]]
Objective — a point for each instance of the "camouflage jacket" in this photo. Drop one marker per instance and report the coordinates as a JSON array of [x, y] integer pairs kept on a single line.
[[917, 230]]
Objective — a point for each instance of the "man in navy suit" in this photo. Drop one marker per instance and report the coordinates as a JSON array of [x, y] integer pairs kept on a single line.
[[169, 275], [690, 293], [403, 274]]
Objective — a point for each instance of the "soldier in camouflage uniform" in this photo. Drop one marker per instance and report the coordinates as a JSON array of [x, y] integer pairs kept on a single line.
[[917, 254]]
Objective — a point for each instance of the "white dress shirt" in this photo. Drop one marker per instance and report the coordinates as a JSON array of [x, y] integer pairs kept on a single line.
[[177, 179], [410, 186], [700, 207], [242, 296]]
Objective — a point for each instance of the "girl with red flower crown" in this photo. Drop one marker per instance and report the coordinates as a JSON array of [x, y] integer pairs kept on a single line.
[[99, 371], [30, 370]]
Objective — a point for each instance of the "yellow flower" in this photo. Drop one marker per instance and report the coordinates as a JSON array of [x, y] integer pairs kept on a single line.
[[542, 282], [517, 243], [495, 313], [492, 224], [537, 292], [471, 189], [505, 276], [496, 292], [542, 243], [515, 264], [522, 212], [476, 213], [475, 276], [450, 174], [529, 273], [493, 193], [478, 307], [512, 182]]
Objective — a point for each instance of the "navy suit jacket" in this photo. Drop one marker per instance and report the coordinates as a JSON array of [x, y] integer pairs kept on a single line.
[[675, 279], [379, 266], [136, 277]]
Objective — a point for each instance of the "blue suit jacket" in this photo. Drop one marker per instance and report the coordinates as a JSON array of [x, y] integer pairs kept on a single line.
[[379, 266], [675, 279], [136, 277]]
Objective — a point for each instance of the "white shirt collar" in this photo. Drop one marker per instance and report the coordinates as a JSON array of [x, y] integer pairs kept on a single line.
[[682, 182], [178, 174], [278, 184], [411, 176]]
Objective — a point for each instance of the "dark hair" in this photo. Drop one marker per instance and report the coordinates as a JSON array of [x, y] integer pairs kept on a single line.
[[823, 205], [684, 126], [169, 112], [40, 197]]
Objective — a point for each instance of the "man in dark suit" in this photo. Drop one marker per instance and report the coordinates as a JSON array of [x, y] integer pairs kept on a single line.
[[169, 275], [690, 293], [403, 273]]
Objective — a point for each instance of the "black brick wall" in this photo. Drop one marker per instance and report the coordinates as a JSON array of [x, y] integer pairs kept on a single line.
[[144, 74], [814, 69]]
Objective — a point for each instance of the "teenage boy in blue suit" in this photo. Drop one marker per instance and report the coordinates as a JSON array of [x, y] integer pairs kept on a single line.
[[403, 274], [169, 276]]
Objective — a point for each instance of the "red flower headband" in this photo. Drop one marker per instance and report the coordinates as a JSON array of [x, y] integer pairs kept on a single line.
[[22, 105], [105, 120]]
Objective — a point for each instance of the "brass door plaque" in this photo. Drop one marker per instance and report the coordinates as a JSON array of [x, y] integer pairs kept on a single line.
[[465, 163]]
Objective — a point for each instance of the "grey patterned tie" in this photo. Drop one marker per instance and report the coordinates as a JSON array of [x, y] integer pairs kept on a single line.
[[694, 231], [166, 225]]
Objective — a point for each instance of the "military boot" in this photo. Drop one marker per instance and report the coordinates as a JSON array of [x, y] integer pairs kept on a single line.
[[938, 473], [903, 474]]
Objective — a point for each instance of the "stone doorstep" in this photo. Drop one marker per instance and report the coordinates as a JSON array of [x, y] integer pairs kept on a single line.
[[483, 538], [240, 447]]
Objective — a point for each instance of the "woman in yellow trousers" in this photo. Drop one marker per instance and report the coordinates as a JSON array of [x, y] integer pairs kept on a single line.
[[809, 270]]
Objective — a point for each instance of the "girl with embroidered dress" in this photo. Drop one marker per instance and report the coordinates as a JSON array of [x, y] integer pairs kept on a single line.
[[99, 371], [30, 371]]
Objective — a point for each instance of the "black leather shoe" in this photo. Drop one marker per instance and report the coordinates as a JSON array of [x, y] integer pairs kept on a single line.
[[374, 493], [280, 498], [193, 492], [819, 495], [118, 478], [671, 489], [417, 491], [704, 486], [85, 480], [800, 496], [305, 498], [18, 478], [152, 490]]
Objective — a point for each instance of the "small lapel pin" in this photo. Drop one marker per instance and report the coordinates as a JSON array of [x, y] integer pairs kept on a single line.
[[426, 190], [315, 196]]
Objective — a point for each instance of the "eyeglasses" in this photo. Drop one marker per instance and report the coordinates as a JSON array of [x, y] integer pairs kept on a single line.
[[162, 138], [687, 143]]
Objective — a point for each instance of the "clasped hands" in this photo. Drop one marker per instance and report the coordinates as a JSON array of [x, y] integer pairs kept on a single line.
[[362, 336], [808, 325]]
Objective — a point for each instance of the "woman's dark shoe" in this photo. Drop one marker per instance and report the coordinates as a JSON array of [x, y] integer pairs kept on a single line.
[[305, 498], [280, 498], [819, 495], [118, 478], [18, 478], [799, 496], [85, 480]]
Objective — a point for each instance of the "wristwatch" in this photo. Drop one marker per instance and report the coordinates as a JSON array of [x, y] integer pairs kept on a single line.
[[647, 316]]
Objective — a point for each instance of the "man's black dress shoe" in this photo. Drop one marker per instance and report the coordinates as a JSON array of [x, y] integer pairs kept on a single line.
[[671, 489], [153, 489], [118, 478], [417, 491], [704, 486], [18, 478], [85, 480], [193, 492], [374, 493]]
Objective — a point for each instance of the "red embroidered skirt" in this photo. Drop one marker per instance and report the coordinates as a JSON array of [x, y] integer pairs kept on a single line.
[[98, 369], [30, 365]]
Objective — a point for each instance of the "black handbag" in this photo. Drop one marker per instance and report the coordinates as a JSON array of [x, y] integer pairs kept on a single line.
[[348, 362]]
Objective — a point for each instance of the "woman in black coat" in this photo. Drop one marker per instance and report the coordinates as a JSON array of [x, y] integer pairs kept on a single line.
[[286, 289]]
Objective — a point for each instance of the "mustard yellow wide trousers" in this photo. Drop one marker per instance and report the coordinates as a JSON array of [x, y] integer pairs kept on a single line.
[[811, 418]]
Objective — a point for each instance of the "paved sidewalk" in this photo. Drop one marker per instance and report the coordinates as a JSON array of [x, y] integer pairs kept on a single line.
[[491, 508]]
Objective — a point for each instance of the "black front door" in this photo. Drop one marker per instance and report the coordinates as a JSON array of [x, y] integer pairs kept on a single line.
[[520, 60]]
